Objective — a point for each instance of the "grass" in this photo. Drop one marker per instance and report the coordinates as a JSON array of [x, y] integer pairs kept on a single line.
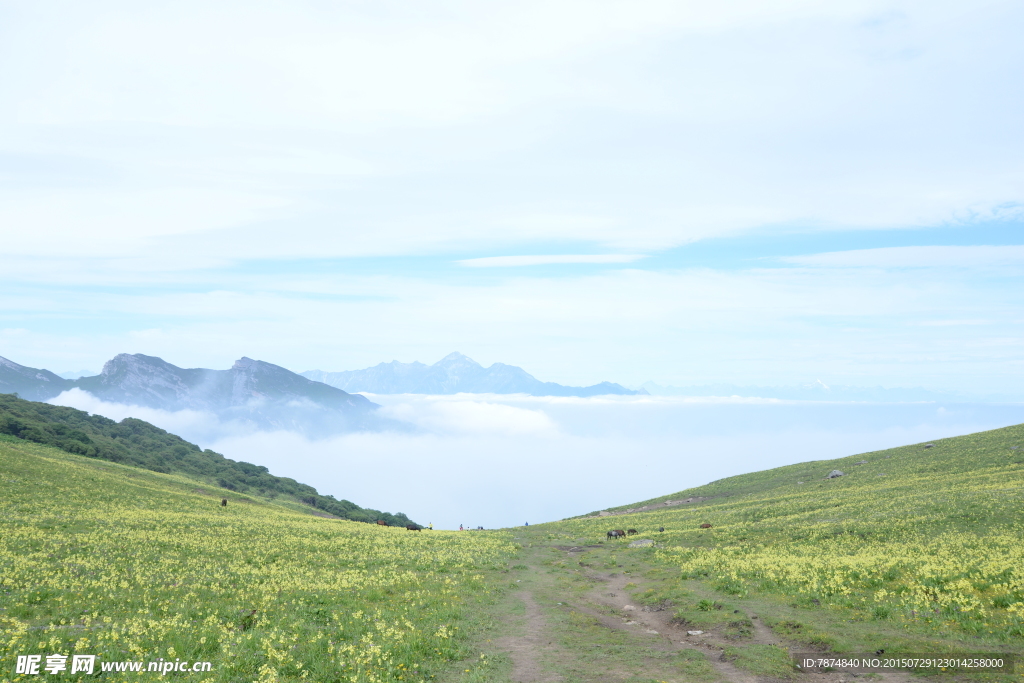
[[929, 541], [917, 550], [140, 444], [761, 659], [130, 565]]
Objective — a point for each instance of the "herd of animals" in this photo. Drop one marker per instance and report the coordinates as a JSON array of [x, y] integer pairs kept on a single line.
[[619, 533], [613, 534]]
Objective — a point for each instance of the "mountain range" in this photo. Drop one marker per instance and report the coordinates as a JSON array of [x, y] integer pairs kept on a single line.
[[251, 391], [453, 374]]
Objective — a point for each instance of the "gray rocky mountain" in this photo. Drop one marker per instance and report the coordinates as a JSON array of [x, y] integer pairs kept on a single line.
[[30, 383], [453, 374], [251, 391]]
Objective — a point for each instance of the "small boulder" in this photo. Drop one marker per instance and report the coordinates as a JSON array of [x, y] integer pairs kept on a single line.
[[604, 513], [929, 445], [694, 633], [862, 462], [835, 473]]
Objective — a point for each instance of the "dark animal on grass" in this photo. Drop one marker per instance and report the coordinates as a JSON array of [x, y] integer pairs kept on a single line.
[[632, 532], [616, 533], [661, 528], [381, 522], [223, 502], [705, 525], [412, 527]]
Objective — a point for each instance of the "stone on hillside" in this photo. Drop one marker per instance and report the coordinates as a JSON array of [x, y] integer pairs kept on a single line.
[[834, 473], [929, 445], [641, 543], [862, 462], [604, 513]]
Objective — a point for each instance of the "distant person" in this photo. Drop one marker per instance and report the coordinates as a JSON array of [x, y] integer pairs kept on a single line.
[[431, 526], [527, 524], [460, 527]]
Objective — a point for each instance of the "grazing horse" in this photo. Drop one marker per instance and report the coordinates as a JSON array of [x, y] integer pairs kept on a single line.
[[381, 522], [705, 525], [632, 532], [412, 527], [616, 533], [223, 502]]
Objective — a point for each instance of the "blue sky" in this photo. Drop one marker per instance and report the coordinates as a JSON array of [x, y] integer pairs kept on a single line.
[[739, 192]]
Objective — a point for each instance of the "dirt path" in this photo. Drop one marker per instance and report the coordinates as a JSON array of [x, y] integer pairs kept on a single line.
[[658, 627], [576, 622], [526, 646]]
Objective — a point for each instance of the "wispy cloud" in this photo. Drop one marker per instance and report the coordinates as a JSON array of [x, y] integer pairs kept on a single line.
[[977, 256], [554, 259]]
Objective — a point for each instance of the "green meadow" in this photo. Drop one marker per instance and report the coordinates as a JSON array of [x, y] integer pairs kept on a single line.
[[913, 550], [129, 565]]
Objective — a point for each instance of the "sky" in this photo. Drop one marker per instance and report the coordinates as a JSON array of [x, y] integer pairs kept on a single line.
[[755, 193], [769, 193]]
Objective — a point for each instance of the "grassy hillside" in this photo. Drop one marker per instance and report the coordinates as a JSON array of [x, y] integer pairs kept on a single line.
[[135, 442], [131, 565], [996, 448], [923, 540]]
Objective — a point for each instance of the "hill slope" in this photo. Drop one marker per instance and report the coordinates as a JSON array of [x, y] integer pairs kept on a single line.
[[138, 443], [453, 374], [926, 538], [31, 383], [103, 559]]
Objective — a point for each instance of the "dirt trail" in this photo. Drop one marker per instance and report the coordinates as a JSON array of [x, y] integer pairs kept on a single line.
[[525, 649], [657, 626], [535, 649]]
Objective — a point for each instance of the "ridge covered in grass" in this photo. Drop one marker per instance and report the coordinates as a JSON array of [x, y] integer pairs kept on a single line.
[[138, 443]]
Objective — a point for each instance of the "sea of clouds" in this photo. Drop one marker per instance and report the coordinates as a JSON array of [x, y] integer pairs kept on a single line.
[[504, 460]]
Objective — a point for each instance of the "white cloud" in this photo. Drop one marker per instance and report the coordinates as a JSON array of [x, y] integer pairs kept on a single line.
[[193, 425], [538, 260], [109, 224], [468, 415], [464, 127], [504, 460], [917, 257]]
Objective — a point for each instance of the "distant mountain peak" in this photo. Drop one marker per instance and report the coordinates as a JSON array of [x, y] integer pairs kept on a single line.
[[455, 373], [30, 383], [251, 391]]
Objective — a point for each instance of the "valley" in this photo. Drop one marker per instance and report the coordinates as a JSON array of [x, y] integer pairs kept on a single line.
[[913, 550]]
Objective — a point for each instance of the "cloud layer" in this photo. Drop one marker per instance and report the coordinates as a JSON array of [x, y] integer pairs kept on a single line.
[[192, 129], [496, 461]]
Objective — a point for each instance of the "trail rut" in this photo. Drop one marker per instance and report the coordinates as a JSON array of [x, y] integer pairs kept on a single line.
[[525, 648]]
